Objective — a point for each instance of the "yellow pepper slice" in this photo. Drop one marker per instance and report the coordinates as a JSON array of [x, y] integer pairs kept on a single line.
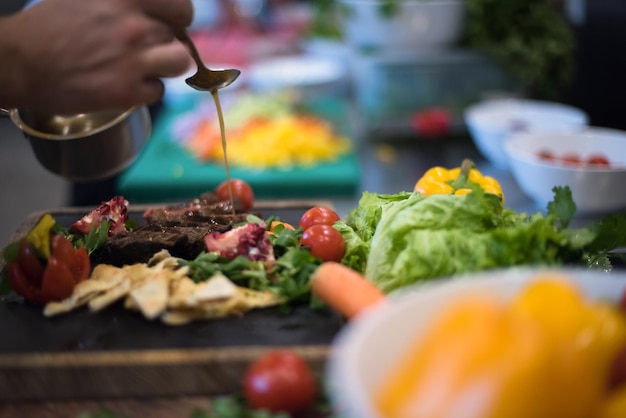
[[39, 236], [457, 181]]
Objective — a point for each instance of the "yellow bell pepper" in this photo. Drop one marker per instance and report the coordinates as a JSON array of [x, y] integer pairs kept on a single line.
[[39, 236], [458, 181], [546, 354]]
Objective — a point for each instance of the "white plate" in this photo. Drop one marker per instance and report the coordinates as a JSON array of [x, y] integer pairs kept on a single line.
[[295, 71]]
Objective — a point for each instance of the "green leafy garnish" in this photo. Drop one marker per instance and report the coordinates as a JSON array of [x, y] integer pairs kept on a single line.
[[94, 239], [289, 276]]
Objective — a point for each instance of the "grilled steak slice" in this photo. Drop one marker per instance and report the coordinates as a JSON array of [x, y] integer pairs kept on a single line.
[[179, 228], [205, 208], [139, 245]]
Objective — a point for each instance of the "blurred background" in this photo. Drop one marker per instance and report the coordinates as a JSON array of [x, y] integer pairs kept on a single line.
[[394, 79]]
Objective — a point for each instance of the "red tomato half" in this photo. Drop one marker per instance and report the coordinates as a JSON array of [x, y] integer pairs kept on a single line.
[[77, 260], [58, 280], [30, 264], [82, 267], [280, 381], [324, 242], [21, 284], [318, 216], [241, 191]]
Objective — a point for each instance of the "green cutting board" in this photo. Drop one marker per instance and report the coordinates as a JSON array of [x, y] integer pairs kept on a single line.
[[164, 171]]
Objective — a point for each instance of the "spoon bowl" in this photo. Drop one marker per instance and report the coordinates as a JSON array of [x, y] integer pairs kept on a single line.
[[206, 79], [210, 80]]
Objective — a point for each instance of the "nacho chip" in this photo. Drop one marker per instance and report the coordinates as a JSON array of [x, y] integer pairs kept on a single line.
[[151, 295]]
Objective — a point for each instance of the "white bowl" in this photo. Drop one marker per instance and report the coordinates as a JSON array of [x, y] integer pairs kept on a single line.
[[369, 346], [594, 188], [418, 24], [491, 122]]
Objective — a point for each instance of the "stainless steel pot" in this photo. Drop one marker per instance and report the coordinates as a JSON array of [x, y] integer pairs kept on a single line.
[[85, 147]]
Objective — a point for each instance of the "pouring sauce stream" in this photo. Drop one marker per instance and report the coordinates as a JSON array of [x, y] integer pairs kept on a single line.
[[220, 117]]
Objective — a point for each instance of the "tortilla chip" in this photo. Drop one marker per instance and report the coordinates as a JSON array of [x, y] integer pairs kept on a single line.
[[258, 299], [109, 297], [151, 296], [241, 302]]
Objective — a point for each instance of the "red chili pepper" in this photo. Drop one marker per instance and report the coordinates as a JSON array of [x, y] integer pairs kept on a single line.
[[41, 281]]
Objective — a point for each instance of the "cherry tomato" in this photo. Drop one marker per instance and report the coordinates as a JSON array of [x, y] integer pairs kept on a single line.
[[280, 381], [324, 242], [571, 159], [318, 216], [58, 280], [433, 122], [241, 191], [599, 160], [546, 155]]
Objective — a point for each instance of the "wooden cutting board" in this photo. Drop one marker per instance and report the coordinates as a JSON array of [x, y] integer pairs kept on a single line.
[[117, 353]]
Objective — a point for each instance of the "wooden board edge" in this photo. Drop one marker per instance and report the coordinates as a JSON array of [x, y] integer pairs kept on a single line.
[[123, 374]]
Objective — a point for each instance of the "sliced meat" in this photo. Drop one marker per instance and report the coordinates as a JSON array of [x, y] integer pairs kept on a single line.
[[205, 208], [139, 245]]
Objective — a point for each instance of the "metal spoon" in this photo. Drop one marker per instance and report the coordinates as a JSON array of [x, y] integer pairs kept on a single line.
[[206, 79]]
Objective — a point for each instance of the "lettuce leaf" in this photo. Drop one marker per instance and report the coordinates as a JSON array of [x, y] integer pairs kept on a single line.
[[419, 237]]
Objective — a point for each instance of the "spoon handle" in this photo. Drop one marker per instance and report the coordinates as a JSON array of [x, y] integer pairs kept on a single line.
[[183, 36]]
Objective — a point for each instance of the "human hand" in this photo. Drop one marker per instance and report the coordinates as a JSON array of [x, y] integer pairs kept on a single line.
[[68, 56]]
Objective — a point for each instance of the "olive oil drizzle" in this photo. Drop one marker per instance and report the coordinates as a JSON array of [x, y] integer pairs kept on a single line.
[[220, 117]]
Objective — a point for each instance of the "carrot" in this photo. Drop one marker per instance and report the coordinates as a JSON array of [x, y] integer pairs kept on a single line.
[[274, 224], [344, 289]]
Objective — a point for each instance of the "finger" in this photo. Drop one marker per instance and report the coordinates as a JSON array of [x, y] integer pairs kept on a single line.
[[176, 13], [166, 60], [151, 91], [140, 32]]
